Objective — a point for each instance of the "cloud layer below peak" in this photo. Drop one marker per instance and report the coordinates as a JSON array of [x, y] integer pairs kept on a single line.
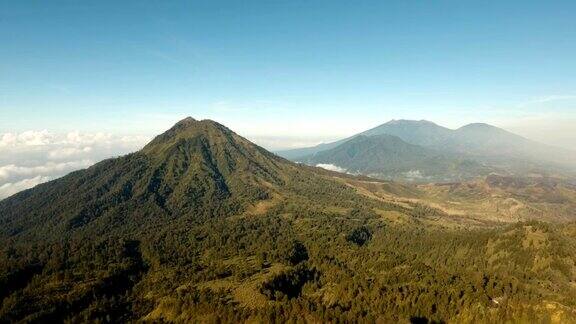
[[33, 157]]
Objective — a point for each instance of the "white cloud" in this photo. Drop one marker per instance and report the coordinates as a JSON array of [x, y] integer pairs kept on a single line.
[[413, 175], [68, 152], [78, 138], [8, 189], [12, 171], [331, 167], [28, 138], [32, 156]]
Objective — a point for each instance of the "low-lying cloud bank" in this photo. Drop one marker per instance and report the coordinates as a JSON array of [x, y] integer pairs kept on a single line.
[[331, 167], [33, 157], [13, 172], [10, 188]]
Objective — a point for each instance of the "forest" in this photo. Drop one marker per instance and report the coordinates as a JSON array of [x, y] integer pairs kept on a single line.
[[288, 265], [203, 226]]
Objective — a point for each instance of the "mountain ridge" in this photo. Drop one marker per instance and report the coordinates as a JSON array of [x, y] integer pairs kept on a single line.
[[389, 157], [485, 143], [398, 124], [195, 168], [202, 220]]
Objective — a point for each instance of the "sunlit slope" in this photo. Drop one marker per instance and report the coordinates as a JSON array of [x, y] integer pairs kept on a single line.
[[204, 226]]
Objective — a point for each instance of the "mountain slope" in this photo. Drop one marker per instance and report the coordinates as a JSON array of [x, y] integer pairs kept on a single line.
[[414, 132], [420, 132], [99, 233], [389, 157], [484, 143], [203, 226], [197, 168]]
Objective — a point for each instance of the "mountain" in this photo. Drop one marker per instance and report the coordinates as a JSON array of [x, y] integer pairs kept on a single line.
[[389, 157], [483, 143], [201, 225], [420, 132], [295, 154], [197, 168], [114, 229]]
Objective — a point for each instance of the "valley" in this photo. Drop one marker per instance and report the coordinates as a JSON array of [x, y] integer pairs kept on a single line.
[[204, 226], [299, 162]]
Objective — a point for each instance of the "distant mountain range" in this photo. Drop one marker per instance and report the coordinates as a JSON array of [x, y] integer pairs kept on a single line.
[[389, 157], [436, 153], [202, 225]]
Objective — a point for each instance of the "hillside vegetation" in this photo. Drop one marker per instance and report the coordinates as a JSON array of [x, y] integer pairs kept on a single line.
[[204, 226]]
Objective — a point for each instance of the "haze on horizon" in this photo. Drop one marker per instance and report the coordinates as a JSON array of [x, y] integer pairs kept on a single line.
[[80, 82]]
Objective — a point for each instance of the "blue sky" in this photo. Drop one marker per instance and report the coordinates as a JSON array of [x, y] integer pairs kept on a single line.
[[296, 70]]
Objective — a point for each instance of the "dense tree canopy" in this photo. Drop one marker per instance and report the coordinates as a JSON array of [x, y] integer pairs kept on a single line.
[[204, 226]]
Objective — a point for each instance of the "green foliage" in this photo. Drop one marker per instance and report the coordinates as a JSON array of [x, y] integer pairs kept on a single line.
[[359, 236], [289, 285], [173, 233], [295, 252]]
